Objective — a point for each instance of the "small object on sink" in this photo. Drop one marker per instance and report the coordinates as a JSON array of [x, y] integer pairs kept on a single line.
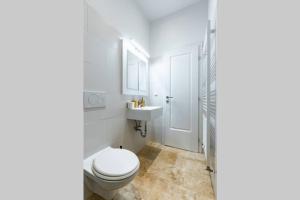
[[136, 102], [141, 103], [130, 105]]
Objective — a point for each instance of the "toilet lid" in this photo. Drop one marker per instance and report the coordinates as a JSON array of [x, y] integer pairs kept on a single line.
[[115, 162]]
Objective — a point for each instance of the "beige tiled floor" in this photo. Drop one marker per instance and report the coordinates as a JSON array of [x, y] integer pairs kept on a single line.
[[168, 174]]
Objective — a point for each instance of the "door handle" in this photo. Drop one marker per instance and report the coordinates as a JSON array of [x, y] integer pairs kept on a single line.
[[168, 99]]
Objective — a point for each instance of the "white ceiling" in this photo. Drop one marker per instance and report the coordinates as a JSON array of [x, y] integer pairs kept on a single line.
[[155, 9]]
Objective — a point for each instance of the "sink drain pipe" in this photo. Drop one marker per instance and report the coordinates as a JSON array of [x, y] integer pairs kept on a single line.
[[138, 128]]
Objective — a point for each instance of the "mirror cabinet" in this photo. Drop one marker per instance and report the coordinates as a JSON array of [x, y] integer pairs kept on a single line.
[[135, 70]]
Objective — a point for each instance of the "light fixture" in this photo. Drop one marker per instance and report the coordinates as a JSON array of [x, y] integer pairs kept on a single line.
[[137, 46]]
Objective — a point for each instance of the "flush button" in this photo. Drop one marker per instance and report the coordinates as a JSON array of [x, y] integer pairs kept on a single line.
[[94, 99]]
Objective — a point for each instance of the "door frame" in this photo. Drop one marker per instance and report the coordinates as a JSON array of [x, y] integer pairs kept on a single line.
[[165, 93]]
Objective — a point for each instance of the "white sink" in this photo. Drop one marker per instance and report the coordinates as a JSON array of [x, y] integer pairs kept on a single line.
[[146, 113]]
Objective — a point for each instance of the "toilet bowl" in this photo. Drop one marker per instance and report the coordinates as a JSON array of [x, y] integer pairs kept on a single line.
[[110, 169]]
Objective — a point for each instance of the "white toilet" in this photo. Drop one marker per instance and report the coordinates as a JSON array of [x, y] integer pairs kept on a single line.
[[110, 169]]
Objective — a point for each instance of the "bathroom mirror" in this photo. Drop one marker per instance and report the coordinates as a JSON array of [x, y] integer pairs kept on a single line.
[[135, 69]]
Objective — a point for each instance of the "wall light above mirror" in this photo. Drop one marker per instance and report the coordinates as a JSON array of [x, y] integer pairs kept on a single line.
[[135, 68]]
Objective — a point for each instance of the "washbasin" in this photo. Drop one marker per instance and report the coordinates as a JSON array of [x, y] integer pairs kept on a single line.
[[146, 113]]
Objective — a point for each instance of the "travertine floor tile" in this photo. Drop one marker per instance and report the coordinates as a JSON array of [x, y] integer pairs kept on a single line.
[[95, 197], [168, 173], [144, 166], [191, 165], [149, 152], [130, 192]]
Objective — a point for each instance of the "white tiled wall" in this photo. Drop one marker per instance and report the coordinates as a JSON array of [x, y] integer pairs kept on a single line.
[[158, 74], [102, 72]]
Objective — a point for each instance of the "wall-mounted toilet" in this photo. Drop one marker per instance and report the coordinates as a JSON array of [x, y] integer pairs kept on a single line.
[[110, 169]]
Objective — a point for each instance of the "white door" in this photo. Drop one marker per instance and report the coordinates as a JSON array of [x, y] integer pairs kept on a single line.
[[181, 100]]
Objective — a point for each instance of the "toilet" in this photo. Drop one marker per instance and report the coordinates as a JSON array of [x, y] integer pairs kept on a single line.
[[110, 169]]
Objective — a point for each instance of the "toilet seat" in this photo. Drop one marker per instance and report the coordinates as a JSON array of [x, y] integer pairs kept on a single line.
[[115, 164]]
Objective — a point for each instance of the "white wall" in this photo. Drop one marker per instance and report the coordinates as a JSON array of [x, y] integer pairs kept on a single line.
[[175, 31], [102, 72], [126, 17], [212, 9], [184, 27]]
